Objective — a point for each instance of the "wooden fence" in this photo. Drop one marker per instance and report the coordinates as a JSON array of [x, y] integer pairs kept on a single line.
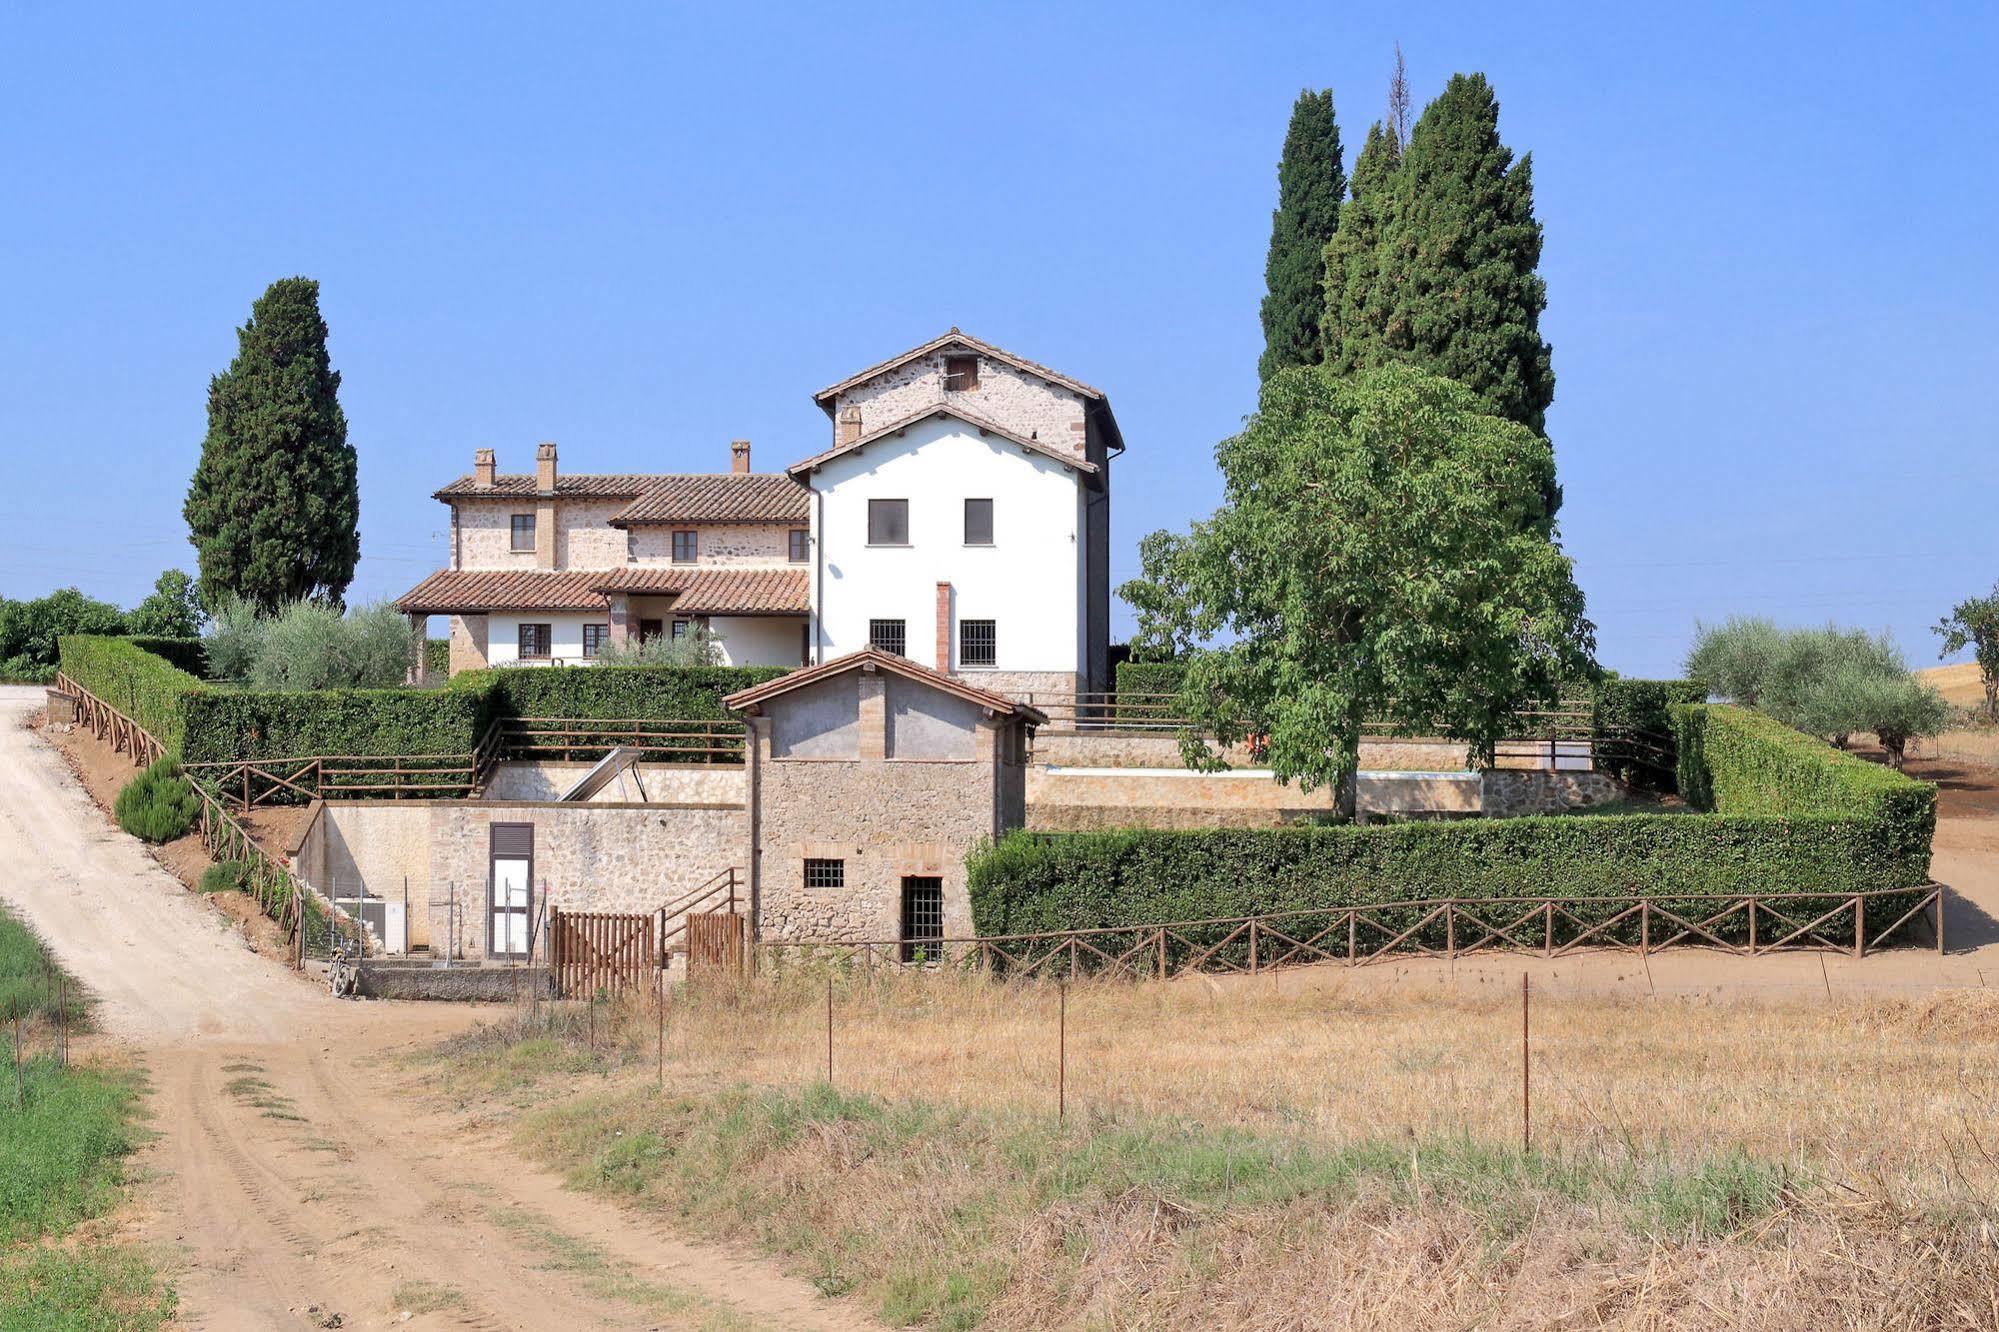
[[608, 951], [1751, 925], [124, 735]]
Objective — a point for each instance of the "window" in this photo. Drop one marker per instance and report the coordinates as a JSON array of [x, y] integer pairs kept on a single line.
[[922, 918], [535, 640], [888, 522], [825, 873], [961, 374], [978, 643], [889, 636], [978, 522], [523, 531], [801, 545], [650, 629], [679, 630], [594, 638], [686, 547]]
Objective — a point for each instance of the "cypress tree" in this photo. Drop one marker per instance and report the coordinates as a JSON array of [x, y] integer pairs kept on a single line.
[[1356, 301], [1310, 184], [274, 507], [1459, 248]]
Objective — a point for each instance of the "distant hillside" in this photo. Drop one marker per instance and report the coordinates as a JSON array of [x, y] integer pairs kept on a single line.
[[1957, 683]]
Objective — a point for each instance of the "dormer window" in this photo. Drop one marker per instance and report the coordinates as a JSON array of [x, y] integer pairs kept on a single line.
[[961, 374]]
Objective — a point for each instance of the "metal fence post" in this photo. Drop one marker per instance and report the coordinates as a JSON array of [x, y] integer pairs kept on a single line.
[[1526, 1102]]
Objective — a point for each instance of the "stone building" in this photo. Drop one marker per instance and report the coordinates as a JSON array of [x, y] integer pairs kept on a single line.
[[870, 777]]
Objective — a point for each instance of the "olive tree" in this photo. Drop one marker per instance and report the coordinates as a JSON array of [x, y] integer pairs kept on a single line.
[[1383, 551], [1974, 623]]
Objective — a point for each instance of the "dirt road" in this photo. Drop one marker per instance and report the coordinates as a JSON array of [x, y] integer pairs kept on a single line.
[[303, 1177]]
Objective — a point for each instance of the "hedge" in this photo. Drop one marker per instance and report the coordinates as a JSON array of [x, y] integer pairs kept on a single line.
[[1847, 827], [1150, 677], [437, 657], [190, 654], [224, 724], [146, 687], [1632, 724], [674, 693]]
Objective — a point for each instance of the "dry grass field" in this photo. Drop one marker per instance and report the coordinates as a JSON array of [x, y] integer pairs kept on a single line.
[[1958, 684], [1240, 1154]]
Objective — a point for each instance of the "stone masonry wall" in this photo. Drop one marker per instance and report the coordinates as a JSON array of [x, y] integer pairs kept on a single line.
[[1511, 794], [668, 783], [1020, 684], [468, 643], [1110, 749], [737, 545], [884, 819], [1005, 396], [583, 538]]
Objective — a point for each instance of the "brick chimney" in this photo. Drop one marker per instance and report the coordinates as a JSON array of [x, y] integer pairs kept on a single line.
[[482, 467], [544, 467], [739, 455], [944, 627], [850, 425]]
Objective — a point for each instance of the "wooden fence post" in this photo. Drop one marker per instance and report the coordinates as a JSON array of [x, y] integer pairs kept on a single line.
[[1859, 925], [1526, 1102]]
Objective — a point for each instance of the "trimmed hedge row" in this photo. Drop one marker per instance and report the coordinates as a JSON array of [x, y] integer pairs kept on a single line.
[[190, 654], [225, 725], [1638, 713], [1840, 826], [651, 692], [1150, 677], [146, 687]]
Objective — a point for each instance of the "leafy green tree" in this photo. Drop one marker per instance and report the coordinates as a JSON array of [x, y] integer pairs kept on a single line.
[[274, 507], [29, 629], [1895, 707], [1357, 303], [172, 610], [309, 645], [1734, 658], [1381, 552], [235, 639], [1311, 182], [1974, 623]]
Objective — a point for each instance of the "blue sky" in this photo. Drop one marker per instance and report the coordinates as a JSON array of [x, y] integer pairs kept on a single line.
[[642, 231]]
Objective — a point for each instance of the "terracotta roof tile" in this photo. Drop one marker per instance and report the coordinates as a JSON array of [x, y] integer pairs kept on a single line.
[[581, 485], [727, 497], [874, 658], [972, 419], [695, 591]]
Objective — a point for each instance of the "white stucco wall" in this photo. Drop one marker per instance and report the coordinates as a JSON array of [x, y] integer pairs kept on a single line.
[[758, 640], [503, 636], [1029, 581]]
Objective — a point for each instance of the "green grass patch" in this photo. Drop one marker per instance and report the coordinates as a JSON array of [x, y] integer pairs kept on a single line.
[[28, 978], [94, 1288], [956, 1188]]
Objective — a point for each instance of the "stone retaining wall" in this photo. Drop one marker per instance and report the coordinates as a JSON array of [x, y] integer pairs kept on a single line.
[[666, 783]]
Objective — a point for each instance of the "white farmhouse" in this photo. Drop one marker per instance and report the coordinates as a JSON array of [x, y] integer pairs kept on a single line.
[[960, 518]]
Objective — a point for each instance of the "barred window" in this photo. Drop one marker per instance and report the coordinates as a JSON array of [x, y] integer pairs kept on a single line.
[[825, 873], [922, 918], [535, 640], [686, 547], [978, 643], [594, 638], [889, 636], [801, 545], [523, 531]]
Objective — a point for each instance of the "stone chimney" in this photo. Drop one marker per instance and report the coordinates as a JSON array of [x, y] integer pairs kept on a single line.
[[944, 627], [739, 455], [849, 428], [482, 467], [544, 468]]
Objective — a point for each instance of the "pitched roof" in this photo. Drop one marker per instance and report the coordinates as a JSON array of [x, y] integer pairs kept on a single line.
[[972, 419], [579, 485], [695, 591], [873, 658], [824, 397], [724, 497]]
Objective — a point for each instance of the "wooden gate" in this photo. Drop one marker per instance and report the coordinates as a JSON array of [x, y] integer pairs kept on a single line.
[[714, 941], [589, 951]]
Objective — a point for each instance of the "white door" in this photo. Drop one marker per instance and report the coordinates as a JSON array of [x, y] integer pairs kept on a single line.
[[512, 898]]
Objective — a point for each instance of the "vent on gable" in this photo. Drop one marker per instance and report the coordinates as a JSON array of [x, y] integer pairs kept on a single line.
[[961, 374]]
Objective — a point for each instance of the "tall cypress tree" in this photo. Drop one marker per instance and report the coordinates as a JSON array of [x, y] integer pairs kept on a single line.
[[1310, 184], [274, 507], [1459, 249], [1356, 300]]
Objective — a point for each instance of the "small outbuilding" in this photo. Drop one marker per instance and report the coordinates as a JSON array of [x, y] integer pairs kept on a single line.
[[870, 777]]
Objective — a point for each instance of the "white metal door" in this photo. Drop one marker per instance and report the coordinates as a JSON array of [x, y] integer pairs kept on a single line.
[[510, 907]]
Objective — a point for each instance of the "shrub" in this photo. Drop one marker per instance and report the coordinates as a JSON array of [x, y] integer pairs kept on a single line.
[[1736, 656], [158, 805], [1150, 677], [26, 670], [148, 688], [32, 630], [235, 638], [1631, 724], [1793, 816], [189, 654], [223, 725], [696, 647], [309, 645], [625, 692], [224, 876], [437, 657]]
